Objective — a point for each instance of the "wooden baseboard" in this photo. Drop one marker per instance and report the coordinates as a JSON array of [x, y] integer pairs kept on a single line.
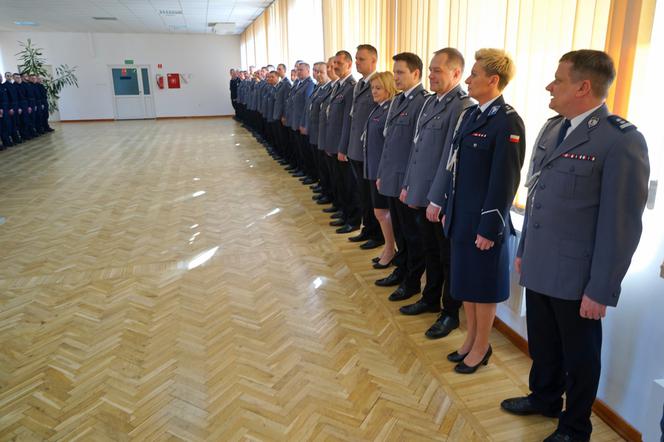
[[195, 116], [97, 120], [600, 408], [106, 120]]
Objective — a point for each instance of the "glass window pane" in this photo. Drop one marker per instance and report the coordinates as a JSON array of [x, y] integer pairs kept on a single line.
[[146, 81], [125, 83]]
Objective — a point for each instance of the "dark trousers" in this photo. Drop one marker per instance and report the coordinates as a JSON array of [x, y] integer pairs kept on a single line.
[[437, 263], [349, 200], [411, 262], [6, 127], [370, 225], [324, 174], [334, 176], [566, 351]]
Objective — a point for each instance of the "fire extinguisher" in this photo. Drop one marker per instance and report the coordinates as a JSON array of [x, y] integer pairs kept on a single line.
[[160, 81]]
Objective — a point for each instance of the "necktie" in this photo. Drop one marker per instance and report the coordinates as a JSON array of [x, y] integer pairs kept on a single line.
[[563, 131], [401, 99]]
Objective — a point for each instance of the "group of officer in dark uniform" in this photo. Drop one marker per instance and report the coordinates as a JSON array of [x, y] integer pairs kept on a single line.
[[446, 166], [23, 109]]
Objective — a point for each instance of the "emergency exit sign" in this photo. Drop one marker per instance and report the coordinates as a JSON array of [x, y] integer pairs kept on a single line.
[[129, 62]]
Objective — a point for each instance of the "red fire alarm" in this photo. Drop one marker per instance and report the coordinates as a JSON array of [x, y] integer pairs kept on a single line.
[[173, 81]]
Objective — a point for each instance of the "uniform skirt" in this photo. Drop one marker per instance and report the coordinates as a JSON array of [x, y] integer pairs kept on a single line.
[[480, 276], [378, 201]]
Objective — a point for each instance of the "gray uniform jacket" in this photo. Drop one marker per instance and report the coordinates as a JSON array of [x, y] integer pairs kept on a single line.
[[585, 202], [299, 99], [434, 131], [281, 93], [289, 103], [313, 114], [362, 105], [374, 139], [338, 117], [270, 97], [399, 131], [322, 115]]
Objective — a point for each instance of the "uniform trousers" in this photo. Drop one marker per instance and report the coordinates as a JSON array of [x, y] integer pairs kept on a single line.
[[436, 248], [370, 225], [349, 199], [566, 350], [409, 260]]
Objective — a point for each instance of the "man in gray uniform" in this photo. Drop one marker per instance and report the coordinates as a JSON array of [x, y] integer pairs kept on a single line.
[[281, 93], [291, 143], [399, 133], [337, 134], [434, 131], [312, 119], [300, 94], [366, 58], [587, 189], [327, 193]]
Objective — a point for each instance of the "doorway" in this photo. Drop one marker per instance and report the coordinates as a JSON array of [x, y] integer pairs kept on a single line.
[[132, 92]]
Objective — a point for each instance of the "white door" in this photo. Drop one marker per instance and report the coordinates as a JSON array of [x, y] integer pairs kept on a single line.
[[132, 92]]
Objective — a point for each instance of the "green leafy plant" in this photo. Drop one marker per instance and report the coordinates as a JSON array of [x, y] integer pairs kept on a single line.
[[32, 61]]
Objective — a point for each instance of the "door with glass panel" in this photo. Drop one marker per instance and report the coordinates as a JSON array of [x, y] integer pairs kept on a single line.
[[132, 92]]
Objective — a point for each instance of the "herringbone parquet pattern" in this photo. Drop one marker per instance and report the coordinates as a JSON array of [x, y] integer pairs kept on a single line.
[[168, 281]]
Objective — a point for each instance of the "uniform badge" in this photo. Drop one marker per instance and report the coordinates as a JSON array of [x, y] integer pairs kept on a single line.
[[515, 138], [478, 134], [494, 110], [593, 122]]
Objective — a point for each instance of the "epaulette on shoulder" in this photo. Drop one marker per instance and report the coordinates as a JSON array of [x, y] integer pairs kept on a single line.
[[622, 124], [508, 109], [555, 117], [424, 92]]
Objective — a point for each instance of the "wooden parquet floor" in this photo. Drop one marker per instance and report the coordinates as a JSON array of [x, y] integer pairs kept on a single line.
[[169, 281]]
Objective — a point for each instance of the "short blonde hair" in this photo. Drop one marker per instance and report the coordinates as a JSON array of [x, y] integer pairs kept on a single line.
[[387, 80], [497, 62]]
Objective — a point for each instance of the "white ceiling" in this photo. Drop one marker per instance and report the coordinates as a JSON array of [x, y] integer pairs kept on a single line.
[[142, 16]]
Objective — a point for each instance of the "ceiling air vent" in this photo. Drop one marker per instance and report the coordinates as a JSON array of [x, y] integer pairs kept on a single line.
[[105, 18], [170, 12]]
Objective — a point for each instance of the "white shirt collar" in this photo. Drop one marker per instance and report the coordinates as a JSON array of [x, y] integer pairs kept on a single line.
[[486, 105], [574, 122], [368, 77], [343, 80], [409, 91]]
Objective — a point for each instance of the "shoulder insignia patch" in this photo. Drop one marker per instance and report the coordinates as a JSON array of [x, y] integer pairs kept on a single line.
[[622, 124], [509, 109]]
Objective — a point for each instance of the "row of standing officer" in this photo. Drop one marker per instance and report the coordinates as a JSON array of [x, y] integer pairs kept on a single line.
[[24, 109], [587, 190]]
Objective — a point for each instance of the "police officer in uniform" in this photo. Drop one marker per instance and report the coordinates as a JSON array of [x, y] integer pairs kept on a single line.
[[327, 193], [366, 58], [484, 164], [301, 92], [399, 132], [434, 130], [337, 135], [5, 119], [587, 189], [282, 90]]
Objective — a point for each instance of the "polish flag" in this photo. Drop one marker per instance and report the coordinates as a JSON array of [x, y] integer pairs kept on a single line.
[[514, 138]]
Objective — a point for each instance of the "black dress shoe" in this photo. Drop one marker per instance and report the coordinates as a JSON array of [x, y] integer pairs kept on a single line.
[[442, 327], [324, 200], [558, 436], [317, 196], [290, 168], [401, 294], [338, 223], [347, 229], [462, 368], [456, 357], [316, 191], [359, 238], [524, 406], [316, 188], [371, 244], [418, 308], [337, 215], [331, 209], [390, 280], [299, 174], [308, 181], [283, 162]]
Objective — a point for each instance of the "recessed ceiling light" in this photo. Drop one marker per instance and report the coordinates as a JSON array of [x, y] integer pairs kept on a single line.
[[105, 18], [26, 23]]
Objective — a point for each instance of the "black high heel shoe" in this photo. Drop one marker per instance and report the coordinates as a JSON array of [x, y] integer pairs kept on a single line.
[[456, 357], [378, 265], [462, 368]]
